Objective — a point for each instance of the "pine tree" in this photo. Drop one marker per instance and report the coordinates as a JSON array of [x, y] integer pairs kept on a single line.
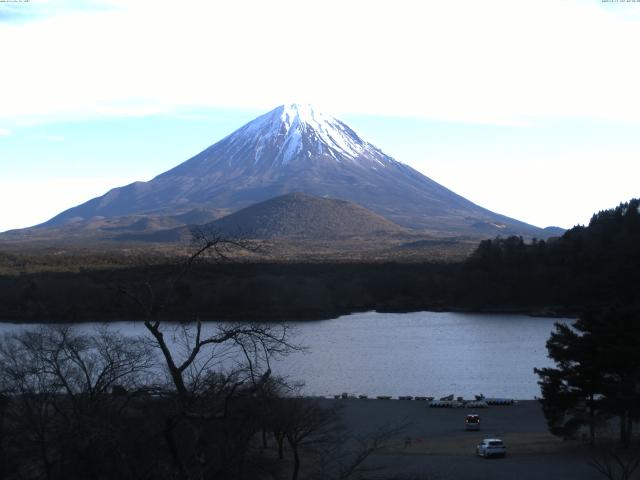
[[571, 392], [597, 373]]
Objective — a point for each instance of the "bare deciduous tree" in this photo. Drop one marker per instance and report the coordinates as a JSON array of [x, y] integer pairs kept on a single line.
[[617, 464], [252, 343], [209, 366], [58, 383]]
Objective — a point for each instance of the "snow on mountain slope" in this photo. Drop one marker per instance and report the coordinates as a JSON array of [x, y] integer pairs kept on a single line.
[[295, 148], [291, 134], [292, 127]]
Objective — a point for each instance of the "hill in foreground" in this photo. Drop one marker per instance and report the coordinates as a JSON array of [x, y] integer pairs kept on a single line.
[[303, 216], [291, 217]]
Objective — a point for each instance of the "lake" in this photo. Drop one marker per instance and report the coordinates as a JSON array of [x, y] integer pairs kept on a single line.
[[421, 353]]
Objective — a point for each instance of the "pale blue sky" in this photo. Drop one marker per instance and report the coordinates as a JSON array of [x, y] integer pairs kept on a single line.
[[531, 109]]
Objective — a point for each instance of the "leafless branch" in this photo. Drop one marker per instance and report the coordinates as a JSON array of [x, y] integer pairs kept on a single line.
[[616, 465]]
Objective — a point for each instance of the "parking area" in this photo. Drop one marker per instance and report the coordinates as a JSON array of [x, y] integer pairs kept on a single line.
[[435, 444]]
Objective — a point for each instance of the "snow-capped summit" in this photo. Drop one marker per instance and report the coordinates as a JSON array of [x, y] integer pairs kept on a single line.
[[295, 132], [296, 148]]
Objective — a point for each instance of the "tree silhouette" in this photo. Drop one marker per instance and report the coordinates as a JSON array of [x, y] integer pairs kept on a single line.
[[597, 373]]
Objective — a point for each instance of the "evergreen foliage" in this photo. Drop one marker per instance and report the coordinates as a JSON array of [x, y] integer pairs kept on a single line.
[[597, 373], [597, 264]]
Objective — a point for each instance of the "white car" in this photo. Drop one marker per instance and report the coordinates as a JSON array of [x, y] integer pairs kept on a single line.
[[491, 447]]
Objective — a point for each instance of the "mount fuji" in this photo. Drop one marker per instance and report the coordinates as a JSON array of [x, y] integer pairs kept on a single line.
[[293, 148]]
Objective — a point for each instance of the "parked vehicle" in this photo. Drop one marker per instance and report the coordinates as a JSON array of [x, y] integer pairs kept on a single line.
[[472, 422], [491, 447]]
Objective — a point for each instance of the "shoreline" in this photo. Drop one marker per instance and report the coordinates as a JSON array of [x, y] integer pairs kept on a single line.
[[549, 312]]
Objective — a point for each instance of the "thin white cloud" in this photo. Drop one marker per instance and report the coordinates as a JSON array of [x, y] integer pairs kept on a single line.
[[4, 132], [495, 61]]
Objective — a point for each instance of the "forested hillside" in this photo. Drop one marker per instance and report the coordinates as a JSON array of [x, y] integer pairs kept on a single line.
[[599, 263], [592, 265]]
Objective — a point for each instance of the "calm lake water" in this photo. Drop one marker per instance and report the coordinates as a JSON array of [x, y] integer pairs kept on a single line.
[[422, 353]]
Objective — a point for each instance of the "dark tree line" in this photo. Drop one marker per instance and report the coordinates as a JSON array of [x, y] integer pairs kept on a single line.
[[594, 265], [231, 291]]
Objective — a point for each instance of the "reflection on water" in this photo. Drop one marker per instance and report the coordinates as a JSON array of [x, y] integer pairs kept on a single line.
[[423, 353]]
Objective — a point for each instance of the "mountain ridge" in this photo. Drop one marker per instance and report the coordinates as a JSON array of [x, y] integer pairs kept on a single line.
[[295, 148]]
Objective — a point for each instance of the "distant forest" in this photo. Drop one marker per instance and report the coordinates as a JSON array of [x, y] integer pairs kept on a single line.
[[596, 264], [587, 266]]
